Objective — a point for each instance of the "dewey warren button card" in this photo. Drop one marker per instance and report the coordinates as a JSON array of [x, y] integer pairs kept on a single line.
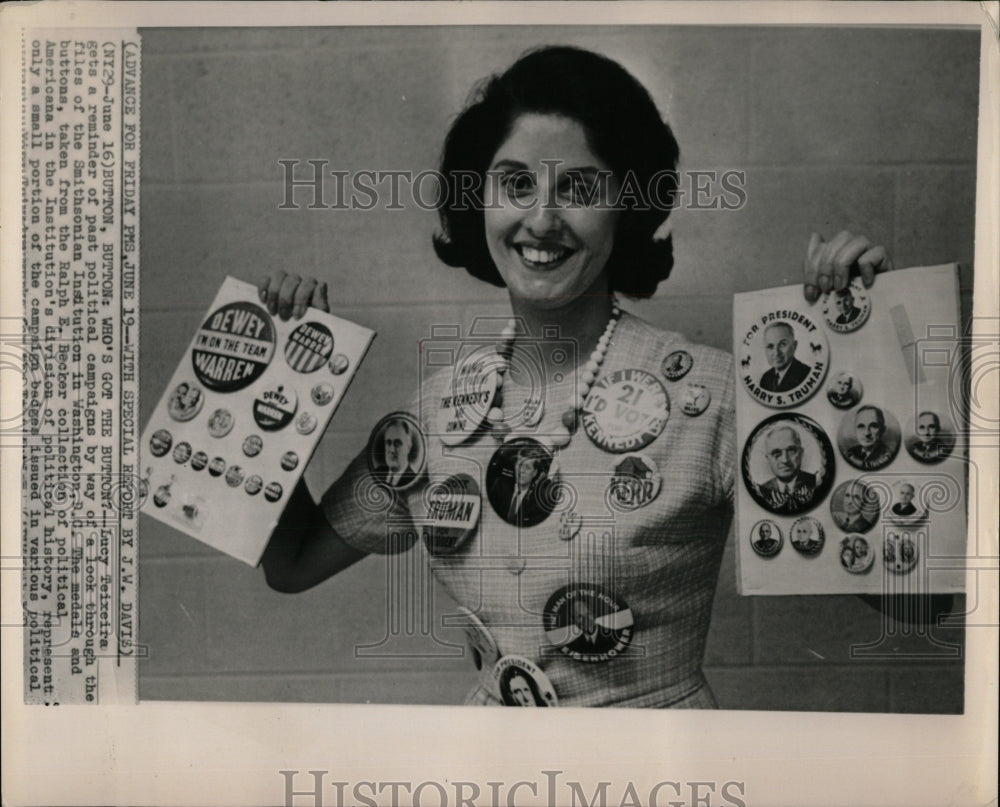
[[839, 405], [242, 390]]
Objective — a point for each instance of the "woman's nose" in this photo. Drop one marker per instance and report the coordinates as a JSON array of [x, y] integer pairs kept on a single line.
[[543, 217]]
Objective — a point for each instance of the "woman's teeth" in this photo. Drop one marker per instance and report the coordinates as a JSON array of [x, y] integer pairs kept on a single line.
[[542, 256]]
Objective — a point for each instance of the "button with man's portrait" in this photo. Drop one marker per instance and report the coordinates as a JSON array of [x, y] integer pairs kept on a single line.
[[220, 423], [676, 365], [856, 554], [869, 437], [587, 622], [626, 410], [848, 309], [783, 358], [306, 422], [160, 442], [807, 536], [788, 464], [930, 437], [452, 516], [766, 538], [694, 399], [397, 451], [844, 390], [635, 482], [900, 552], [338, 364], [521, 683], [855, 506], [904, 510], [185, 401], [520, 483], [308, 347]]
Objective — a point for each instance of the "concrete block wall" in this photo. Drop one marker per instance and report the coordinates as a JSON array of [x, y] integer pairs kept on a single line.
[[872, 130]]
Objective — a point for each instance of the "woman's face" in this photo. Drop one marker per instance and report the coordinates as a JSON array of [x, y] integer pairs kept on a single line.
[[550, 225]]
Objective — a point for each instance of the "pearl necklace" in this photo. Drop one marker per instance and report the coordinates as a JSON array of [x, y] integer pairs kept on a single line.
[[500, 425]]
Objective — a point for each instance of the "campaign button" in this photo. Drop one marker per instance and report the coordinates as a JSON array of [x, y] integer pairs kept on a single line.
[[308, 347], [783, 358], [856, 554], [635, 482], [569, 525], [273, 491], [807, 536], [522, 683], [233, 347], [185, 402], [160, 442], [519, 482], [221, 423], [162, 496], [217, 466], [274, 407], [322, 394], [626, 410], [468, 397], [848, 309], [234, 476], [199, 460], [899, 552], [182, 453], [397, 450], [694, 399], [453, 507], [766, 538], [338, 363], [289, 461], [253, 485], [587, 623], [676, 365], [482, 645], [306, 423], [844, 390], [252, 445]]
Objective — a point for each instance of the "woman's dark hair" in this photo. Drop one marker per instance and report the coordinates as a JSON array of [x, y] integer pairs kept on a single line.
[[623, 128]]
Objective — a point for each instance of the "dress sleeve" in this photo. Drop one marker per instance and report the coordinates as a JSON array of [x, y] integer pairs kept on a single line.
[[725, 439]]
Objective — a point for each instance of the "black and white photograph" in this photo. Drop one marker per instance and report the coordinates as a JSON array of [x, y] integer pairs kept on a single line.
[[552, 524]]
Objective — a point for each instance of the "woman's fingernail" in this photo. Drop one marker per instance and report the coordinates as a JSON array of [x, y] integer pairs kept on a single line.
[[810, 292], [824, 283], [298, 311]]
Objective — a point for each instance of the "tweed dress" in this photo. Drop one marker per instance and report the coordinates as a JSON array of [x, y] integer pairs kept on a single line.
[[661, 559]]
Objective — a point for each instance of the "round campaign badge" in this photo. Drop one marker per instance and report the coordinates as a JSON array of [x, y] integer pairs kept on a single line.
[[694, 399], [519, 482], [766, 538], [587, 623], [847, 310], [856, 554], [274, 407], [273, 491], [899, 552], [676, 365], [217, 466], [289, 461], [233, 347], [626, 410], [788, 464], [162, 496], [338, 364], [522, 683], [783, 358], [807, 536], [234, 476], [308, 347], [855, 506], [221, 423], [199, 460], [482, 645], [452, 514], [322, 394], [306, 423], [252, 445], [253, 485], [569, 525], [160, 442], [635, 482], [844, 390], [185, 401], [182, 453], [904, 512], [930, 437], [468, 396], [869, 437], [397, 450]]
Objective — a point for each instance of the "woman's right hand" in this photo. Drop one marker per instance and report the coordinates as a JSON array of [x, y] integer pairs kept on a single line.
[[288, 296]]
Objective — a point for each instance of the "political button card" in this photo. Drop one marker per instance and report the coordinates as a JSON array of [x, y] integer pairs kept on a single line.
[[248, 392], [851, 434]]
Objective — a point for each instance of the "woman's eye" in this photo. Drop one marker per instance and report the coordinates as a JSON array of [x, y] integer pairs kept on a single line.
[[518, 183], [578, 190]]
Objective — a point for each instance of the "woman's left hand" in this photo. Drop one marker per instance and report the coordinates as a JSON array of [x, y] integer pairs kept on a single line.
[[830, 264]]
